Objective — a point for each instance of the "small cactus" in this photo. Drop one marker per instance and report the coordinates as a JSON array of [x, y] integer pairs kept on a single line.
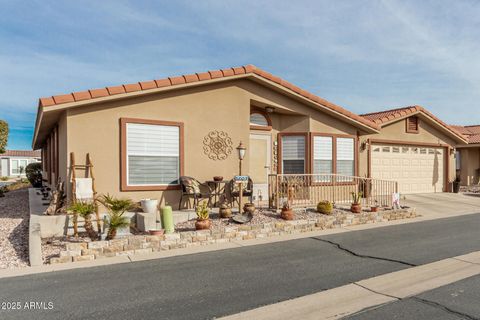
[[325, 207]]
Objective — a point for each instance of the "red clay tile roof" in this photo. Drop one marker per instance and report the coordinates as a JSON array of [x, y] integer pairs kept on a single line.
[[463, 130], [198, 77], [22, 153], [475, 138], [471, 132], [387, 116]]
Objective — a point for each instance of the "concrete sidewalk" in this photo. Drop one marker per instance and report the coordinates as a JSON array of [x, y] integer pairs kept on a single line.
[[345, 300]]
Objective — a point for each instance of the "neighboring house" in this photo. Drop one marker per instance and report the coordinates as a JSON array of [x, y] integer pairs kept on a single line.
[[143, 136], [468, 156], [414, 148], [12, 161]]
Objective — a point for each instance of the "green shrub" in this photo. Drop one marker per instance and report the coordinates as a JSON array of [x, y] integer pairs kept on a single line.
[[3, 190], [325, 207], [34, 174], [3, 135], [3, 178]]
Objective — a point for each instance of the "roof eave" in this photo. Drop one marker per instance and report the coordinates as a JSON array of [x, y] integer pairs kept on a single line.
[[447, 130], [38, 120], [368, 126]]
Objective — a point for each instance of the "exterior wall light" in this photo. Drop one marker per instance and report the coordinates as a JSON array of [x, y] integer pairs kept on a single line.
[[269, 109]]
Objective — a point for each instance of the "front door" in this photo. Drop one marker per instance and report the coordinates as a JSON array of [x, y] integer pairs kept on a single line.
[[260, 158]]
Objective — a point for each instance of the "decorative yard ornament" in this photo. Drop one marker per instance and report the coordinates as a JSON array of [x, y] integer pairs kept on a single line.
[[217, 145]]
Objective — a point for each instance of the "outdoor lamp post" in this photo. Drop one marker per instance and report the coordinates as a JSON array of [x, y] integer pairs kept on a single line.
[[241, 154]]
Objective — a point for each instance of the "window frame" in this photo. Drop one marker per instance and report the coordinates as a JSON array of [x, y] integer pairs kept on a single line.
[[28, 161], [334, 151], [306, 161], [124, 154], [265, 115]]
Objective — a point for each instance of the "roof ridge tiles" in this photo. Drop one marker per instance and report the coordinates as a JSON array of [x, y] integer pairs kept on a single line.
[[198, 77]]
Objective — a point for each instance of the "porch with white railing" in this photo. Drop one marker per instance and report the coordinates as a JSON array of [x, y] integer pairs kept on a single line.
[[306, 190]]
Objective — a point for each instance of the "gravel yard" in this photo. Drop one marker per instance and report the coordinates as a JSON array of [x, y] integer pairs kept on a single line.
[[260, 217], [14, 217]]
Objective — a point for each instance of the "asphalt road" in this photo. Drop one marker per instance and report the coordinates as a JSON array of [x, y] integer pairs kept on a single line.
[[208, 285], [459, 300]]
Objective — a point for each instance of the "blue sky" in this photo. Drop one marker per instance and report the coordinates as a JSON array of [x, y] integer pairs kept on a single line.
[[363, 55]]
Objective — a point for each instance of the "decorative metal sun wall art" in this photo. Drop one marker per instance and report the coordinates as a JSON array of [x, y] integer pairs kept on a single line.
[[217, 145]]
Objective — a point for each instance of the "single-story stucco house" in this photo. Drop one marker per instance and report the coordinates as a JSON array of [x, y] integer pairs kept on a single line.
[[143, 136], [14, 162]]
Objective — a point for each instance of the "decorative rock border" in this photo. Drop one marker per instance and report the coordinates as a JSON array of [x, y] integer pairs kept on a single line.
[[144, 244]]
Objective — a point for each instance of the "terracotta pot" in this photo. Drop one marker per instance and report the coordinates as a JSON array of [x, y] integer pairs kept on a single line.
[[374, 209], [225, 212], [156, 232], [356, 208], [203, 224], [287, 214], [218, 178], [249, 208]]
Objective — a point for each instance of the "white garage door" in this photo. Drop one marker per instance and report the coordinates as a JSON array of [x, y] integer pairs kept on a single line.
[[417, 169]]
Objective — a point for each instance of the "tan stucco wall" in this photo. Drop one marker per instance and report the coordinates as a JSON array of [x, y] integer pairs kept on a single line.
[[293, 115], [96, 130], [469, 164], [396, 131], [223, 106]]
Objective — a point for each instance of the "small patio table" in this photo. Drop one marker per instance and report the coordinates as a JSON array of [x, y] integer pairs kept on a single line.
[[218, 189]]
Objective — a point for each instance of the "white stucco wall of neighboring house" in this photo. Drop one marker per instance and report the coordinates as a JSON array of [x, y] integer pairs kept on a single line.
[[9, 166]]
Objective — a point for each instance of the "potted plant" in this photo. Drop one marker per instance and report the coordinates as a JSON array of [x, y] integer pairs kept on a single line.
[[116, 210], [356, 206], [287, 212], [325, 207], [203, 216], [374, 208], [156, 232], [249, 208], [85, 210], [225, 211], [149, 205], [456, 185]]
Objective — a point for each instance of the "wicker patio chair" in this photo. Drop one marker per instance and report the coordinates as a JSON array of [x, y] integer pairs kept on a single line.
[[191, 187]]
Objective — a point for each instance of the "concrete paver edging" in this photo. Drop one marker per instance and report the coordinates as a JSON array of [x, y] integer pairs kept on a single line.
[[346, 300]]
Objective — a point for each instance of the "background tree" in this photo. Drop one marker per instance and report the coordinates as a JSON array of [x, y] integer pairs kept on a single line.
[[3, 135]]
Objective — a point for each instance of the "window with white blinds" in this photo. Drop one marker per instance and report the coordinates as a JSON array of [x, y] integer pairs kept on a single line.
[[346, 156], [293, 154], [153, 154], [323, 156]]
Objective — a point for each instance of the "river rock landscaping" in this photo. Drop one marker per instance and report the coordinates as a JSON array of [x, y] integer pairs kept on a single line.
[[14, 219]]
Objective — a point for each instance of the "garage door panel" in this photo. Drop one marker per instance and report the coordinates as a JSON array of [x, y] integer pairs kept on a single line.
[[417, 169]]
